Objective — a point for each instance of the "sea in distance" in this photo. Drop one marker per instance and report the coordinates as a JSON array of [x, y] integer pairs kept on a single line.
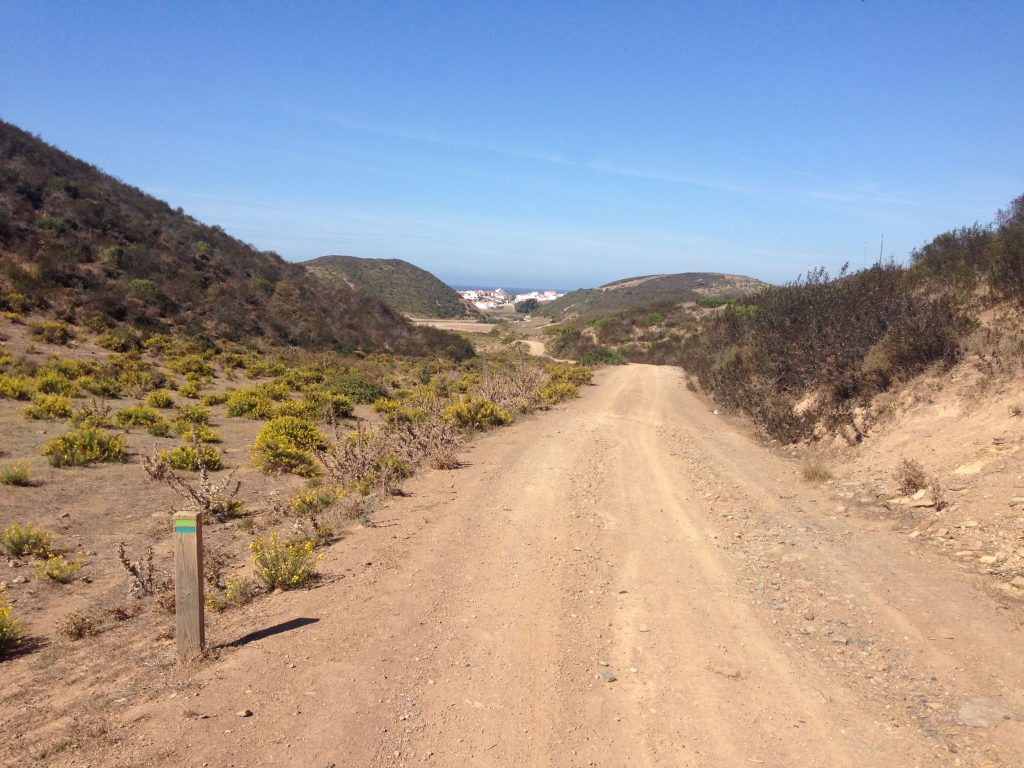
[[515, 291]]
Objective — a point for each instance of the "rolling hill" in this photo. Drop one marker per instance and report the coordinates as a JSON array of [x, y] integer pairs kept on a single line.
[[402, 286], [651, 291], [81, 245]]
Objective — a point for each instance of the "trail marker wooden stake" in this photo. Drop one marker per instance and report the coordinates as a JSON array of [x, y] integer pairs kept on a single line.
[[190, 620]]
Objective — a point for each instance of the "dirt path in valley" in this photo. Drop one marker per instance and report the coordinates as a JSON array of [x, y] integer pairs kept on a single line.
[[628, 581]]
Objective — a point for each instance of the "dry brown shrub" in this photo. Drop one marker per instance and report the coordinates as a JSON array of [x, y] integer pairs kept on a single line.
[[910, 476]]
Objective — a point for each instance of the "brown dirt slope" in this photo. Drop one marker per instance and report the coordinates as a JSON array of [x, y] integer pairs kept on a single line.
[[631, 580]]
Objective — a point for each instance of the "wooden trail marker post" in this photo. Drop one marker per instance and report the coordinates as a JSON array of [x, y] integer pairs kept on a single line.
[[190, 619]]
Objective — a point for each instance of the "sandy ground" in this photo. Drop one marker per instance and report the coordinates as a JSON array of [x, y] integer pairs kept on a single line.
[[630, 580]]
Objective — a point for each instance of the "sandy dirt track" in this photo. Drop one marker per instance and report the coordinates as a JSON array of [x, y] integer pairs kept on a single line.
[[628, 581]]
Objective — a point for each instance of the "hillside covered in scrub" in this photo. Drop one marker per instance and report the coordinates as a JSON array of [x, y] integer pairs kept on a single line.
[[648, 293], [82, 246], [404, 287]]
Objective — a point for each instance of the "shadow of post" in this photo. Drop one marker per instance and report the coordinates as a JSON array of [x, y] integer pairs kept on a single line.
[[260, 634]]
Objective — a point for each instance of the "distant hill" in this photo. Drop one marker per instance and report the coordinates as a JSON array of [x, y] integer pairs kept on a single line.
[[78, 243], [402, 286], [649, 291]]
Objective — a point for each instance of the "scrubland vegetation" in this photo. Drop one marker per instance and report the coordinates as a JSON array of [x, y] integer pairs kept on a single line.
[[335, 435], [807, 358]]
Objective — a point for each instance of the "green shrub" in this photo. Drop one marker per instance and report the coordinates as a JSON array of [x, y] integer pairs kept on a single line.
[[16, 474], [95, 415], [189, 389], [283, 565], [10, 628], [53, 383], [357, 389], [83, 446], [302, 409], [200, 433], [16, 387], [57, 568], [215, 398], [21, 540], [47, 407], [285, 444], [160, 398], [251, 404], [192, 458], [52, 332], [330, 405], [187, 364], [573, 374], [142, 289], [193, 414], [476, 413], [118, 341], [557, 392], [145, 417], [100, 386]]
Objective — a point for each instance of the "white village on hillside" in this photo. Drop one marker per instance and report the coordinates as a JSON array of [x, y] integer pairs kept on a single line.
[[484, 299]]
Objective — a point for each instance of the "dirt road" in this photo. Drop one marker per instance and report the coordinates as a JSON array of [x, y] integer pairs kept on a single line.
[[628, 581]]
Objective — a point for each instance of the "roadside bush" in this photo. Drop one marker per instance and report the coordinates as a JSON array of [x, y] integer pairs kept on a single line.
[[21, 540], [78, 626], [476, 413], [192, 458], [10, 628], [47, 407], [573, 374], [86, 445], [16, 474], [814, 471], [286, 444], [557, 392], [57, 568], [910, 476], [283, 565]]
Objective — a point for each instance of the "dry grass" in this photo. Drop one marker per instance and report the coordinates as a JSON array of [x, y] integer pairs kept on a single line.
[[814, 471]]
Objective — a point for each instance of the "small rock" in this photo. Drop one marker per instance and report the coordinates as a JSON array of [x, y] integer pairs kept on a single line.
[[607, 675], [982, 713], [988, 560], [808, 615], [244, 713], [641, 629], [1016, 501], [602, 663], [1018, 582], [65, 514], [19, 580]]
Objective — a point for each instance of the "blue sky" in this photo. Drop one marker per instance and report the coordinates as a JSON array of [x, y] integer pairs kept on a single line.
[[546, 144]]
